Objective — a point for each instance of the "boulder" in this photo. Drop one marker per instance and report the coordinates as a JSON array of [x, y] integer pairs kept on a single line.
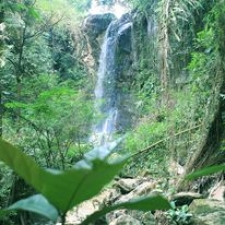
[[208, 212], [94, 28], [95, 25], [128, 184], [125, 220], [161, 218], [124, 37], [143, 189], [218, 192], [185, 198], [82, 211], [133, 216], [148, 219]]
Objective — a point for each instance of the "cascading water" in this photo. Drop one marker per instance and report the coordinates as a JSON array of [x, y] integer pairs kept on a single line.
[[106, 92], [118, 8], [104, 95]]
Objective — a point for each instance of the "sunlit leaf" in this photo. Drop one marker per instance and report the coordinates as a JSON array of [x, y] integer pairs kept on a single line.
[[34, 13]]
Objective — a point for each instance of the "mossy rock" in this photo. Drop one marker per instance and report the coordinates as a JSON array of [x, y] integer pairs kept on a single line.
[[95, 25], [208, 212]]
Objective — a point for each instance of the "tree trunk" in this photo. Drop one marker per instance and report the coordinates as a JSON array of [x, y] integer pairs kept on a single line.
[[1, 48], [164, 50], [210, 153]]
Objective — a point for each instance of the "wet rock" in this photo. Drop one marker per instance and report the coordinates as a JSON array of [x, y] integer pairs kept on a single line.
[[208, 212], [94, 28], [143, 189], [175, 168], [112, 216], [148, 219], [161, 218], [125, 220], [80, 213], [218, 192], [124, 37], [128, 184], [185, 198], [95, 25], [137, 217]]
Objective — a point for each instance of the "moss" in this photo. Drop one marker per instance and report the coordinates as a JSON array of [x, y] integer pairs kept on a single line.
[[203, 206]]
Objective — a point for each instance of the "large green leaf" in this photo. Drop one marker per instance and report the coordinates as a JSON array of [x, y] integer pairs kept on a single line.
[[22, 164], [148, 203], [64, 189], [206, 171], [38, 204], [74, 186]]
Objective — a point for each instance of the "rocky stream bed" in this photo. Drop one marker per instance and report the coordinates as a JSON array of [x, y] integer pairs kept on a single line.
[[192, 207]]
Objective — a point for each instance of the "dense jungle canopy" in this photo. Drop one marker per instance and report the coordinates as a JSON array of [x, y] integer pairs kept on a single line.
[[163, 93]]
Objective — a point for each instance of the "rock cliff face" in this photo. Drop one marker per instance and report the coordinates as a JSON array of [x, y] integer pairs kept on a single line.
[[95, 27], [133, 31], [124, 71]]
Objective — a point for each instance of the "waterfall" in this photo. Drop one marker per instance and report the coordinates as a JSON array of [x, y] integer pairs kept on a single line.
[[118, 8], [106, 91]]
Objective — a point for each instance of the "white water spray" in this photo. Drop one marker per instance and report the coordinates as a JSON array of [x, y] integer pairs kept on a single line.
[[106, 93], [118, 8]]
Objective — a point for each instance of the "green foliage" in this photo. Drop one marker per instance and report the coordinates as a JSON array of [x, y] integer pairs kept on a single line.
[[42, 85], [68, 12], [179, 215], [58, 119], [66, 61], [46, 110], [37, 204], [94, 170], [194, 87], [146, 133], [203, 60], [162, 129], [191, 91], [141, 4], [206, 171], [6, 183]]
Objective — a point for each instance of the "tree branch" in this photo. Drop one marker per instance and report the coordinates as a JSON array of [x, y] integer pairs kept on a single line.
[[43, 28], [163, 140]]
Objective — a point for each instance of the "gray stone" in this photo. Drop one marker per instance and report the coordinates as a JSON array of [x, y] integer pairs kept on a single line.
[[125, 220], [218, 192], [216, 218], [94, 25], [128, 184], [143, 189], [124, 38], [185, 198], [208, 212], [148, 219]]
